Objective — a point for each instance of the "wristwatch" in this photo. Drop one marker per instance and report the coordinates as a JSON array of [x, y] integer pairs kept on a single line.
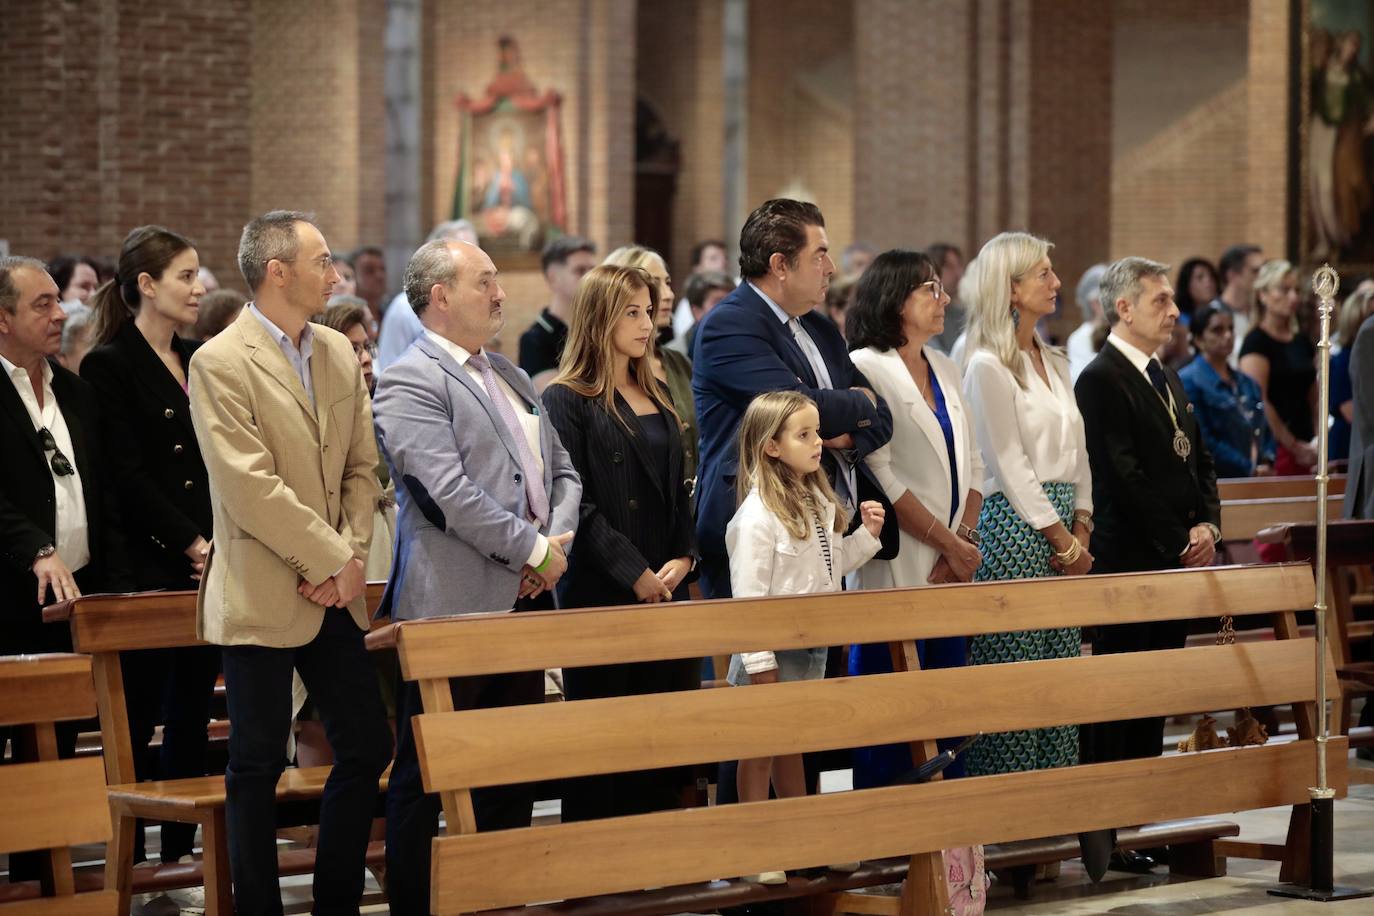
[[971, 535], [1216, 533], [44, 552]]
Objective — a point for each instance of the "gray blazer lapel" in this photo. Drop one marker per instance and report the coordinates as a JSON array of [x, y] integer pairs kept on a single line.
[[479, 392]]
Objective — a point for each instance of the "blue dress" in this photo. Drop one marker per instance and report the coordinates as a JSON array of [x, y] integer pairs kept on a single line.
[[878, 766], [1342, 390]]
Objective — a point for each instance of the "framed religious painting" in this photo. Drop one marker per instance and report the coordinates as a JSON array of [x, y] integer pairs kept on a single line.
[[510, 164], [1334, 103]]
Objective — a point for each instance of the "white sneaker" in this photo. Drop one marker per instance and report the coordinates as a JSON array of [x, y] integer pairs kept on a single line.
[[191, 900], [154, 903], [767, 877], [846, 867]]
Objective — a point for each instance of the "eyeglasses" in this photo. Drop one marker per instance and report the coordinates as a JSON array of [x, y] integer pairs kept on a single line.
[[937, 289], [323, 262], [60, 465], [369, 347]]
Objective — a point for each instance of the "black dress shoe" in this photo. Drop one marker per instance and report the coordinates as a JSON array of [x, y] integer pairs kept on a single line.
[[1131, 861], [1095, 846]]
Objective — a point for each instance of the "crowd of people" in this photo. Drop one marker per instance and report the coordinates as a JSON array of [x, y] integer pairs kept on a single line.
[[788, 431]]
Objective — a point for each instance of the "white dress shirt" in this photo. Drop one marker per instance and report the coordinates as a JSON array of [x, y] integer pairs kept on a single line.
[[298, 358], [1138, 357], [1080, 348], [849, 484], [73, 529], [1029, 436], [529, 422]]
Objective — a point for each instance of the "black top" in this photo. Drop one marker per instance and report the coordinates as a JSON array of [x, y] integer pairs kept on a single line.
[[1145, 497], [541, 346], [654, 429], [146, 425], [636, 513], [1292, 370], [28, 506]]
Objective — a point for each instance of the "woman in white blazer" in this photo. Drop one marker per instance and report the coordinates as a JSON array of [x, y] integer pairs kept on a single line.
[[931, 470]]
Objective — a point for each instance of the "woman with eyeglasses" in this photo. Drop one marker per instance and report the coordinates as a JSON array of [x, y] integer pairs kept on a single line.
[[932, 470], [139, 372]]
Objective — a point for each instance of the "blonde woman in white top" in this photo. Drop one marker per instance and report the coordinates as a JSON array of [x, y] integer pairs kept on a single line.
[[932, 471], [1037, 511]]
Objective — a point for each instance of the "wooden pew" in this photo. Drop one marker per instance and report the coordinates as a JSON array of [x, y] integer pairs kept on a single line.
[[1350, 543], [103, 626], [1243, 519], [50, 804], [1234, 488], [677, 851]]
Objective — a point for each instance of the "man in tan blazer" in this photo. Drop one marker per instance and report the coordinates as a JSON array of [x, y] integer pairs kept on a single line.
[[283, 419]]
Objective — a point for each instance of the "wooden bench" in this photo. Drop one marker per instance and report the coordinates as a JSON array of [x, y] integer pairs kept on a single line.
[[1234, 488], [1350, 544], [50, 804], [103, 626], [679, 851]]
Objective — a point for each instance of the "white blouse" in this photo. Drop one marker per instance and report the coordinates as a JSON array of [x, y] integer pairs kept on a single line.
[[1028, 436]]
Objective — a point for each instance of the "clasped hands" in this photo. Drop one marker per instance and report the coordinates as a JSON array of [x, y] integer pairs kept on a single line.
[[533, 582], [338, 590], [652, 587]]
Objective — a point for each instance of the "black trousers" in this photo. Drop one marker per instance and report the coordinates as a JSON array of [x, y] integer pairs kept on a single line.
[[336, 670], [174, 687], [1129, 739], [639, 791], [412, 815]]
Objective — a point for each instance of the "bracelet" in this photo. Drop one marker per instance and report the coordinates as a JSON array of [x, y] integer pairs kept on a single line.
[[544, 563], [1069, 555], [929, 528]]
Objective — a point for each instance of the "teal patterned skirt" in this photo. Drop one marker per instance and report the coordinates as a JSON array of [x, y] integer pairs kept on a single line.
[[1012, 549]]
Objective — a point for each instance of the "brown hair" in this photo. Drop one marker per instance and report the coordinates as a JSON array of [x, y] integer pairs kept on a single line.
[[146, 250], [343, 316], [587, 363], [777, 227], [788, 495]]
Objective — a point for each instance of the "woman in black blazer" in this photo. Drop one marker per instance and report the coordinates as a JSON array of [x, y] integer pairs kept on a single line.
[[138, 370], [635, 540]]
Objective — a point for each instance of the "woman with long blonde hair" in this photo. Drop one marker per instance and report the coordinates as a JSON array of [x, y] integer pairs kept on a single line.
[[1037, 509], [1284, 363], [671, 368], [636, 539]]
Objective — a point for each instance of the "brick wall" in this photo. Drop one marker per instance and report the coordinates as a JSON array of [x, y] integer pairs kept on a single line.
[[139, 114], [318, 110], [680, 72], [1179, 144], [193, 115], [801, 108]]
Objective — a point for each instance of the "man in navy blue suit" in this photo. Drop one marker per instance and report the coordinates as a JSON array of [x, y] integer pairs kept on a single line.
[[765, 337]]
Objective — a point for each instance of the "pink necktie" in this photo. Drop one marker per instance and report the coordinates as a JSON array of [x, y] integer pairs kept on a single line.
[[537, 497]]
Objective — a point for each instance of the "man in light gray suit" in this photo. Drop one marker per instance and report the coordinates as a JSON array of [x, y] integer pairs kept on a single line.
[[487, 503]]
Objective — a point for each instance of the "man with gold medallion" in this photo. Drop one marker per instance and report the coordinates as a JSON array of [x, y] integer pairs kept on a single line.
[[1154, 485]]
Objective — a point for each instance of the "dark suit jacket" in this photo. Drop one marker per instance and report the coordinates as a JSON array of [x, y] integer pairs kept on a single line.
[[28, 501], [1359, 491], [146, 426], [742, 350], [1145, 498], [633, 517]]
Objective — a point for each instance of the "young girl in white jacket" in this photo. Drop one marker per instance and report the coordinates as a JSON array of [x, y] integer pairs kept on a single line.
[[787, 538]]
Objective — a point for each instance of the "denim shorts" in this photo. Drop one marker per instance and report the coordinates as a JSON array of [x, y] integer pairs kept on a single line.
[[793, 665]]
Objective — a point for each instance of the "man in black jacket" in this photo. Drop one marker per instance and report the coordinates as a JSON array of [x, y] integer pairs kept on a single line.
[[59, 529], [1154, 486]]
